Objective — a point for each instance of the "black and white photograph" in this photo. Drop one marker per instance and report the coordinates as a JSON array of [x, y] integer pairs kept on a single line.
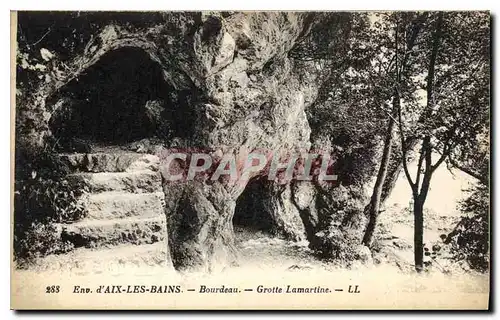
[[244, 160]]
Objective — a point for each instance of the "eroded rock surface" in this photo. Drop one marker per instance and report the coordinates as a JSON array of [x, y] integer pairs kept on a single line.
[[234, 88]]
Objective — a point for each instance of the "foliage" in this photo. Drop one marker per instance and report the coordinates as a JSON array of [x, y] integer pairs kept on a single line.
[[52, 200], [443, 102], [434, 64], [41, 199], [342, 47], [38, 240], [340, 217], [469, 240], [334, 244], [42, 193], [430, 67], [456, 114], [347, 95], [467, 245]]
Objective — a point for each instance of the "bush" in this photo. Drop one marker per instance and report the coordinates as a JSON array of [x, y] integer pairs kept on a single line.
[[38, 240], [469, 241], [340, 226], [335, 244], [42, 198], [51, 200]]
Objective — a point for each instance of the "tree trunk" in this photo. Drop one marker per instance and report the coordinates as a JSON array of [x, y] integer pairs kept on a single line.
[[395, 167], [419, 200], [418, 241], [374, 206], [419, 197], [390, 167]]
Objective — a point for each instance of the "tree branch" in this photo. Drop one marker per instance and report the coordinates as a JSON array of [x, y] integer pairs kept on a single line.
[[484, 180], [440, 160], [396, 103]]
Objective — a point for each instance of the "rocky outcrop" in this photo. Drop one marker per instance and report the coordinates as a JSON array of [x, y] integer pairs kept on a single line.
[[235, 89], [255, 100], [268, 207]]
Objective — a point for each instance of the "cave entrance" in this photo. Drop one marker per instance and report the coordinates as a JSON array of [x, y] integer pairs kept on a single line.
[[252, 211], [120, 99]]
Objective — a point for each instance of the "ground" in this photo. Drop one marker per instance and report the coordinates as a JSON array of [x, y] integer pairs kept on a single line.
[[265, 261], [268, 260], [260, 253]]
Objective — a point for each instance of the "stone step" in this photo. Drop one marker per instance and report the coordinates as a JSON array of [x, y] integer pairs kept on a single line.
[[98, 233], [110, 162], [113, 259], [117, 205], [136, 181]]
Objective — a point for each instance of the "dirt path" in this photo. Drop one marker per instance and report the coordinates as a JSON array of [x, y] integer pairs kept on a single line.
[[268, 260], [264, 261], [262, 251]]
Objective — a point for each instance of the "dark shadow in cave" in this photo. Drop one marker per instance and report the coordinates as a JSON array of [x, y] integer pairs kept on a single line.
[[251, 212], [123, 98]]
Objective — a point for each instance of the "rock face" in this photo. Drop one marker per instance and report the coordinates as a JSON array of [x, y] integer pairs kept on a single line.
[[234, 89], [254, 100], [268, 207]]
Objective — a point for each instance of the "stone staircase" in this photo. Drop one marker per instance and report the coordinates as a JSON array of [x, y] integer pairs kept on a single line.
[[124, 206]]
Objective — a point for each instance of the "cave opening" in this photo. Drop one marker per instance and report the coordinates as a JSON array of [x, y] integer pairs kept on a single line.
[[252, 212], [122, 98]]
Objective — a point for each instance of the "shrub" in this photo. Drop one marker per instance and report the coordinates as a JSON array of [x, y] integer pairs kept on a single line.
[[42, 198], [51, 200], [335, 244], [339, 231], [38, 240], [469, 241]]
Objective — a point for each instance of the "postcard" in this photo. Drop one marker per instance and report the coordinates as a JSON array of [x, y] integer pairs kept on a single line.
[[253, 160]]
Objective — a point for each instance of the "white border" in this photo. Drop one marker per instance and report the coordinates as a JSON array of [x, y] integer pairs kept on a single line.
[[191, 5], [250, 5]]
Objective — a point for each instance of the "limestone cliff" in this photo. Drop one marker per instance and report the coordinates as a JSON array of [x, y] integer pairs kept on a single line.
[[222, 82]]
